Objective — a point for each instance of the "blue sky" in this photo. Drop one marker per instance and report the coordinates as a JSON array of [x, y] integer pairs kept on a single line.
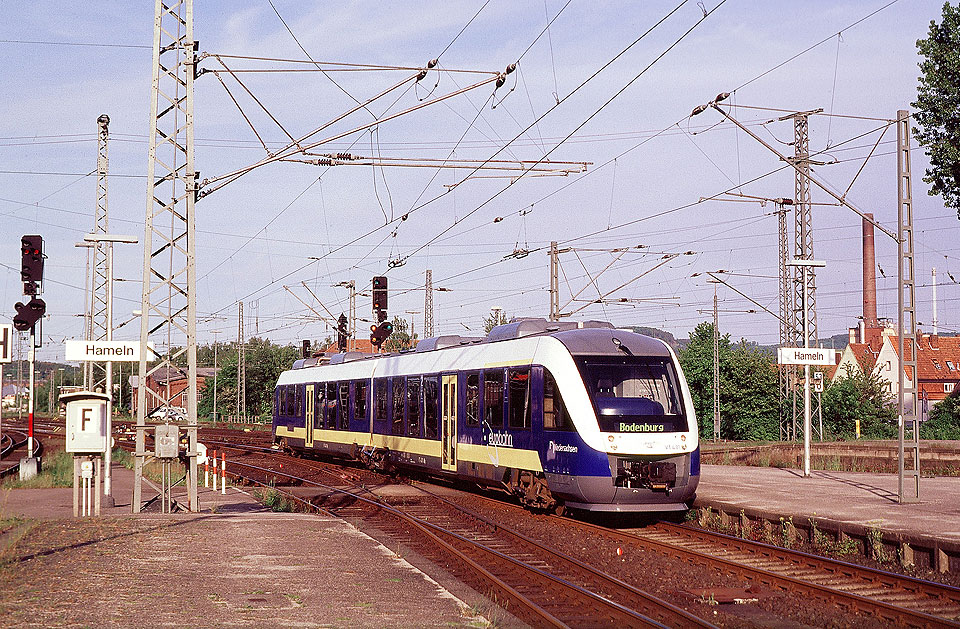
[[650, 162]]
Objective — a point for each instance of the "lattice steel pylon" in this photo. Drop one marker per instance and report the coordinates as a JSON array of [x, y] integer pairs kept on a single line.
[[241, 366], [428, 305], [785, 372], [803, 235], [96, 377], [168, 305], [909, 429], [803, 249]]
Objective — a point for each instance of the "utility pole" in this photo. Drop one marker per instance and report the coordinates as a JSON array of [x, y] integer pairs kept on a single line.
[[168, 301], [352, 287], [786, 373], [241, 366], [805, 281], [716, 365], [909, 428], [554, 282], [216, 369], [933, 274], [428, 305]]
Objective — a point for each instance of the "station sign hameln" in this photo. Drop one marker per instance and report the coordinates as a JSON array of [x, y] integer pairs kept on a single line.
[[806, 356], [104, 351]]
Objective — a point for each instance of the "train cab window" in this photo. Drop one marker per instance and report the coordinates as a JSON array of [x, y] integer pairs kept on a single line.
[[343, 406], [431, 416], [634, 393], [398, 399], [518, 393], [493, 398], [413, 406], [331, 406], [360, 400], [380, 400], [473, 399], [286, 404], [555, 414]]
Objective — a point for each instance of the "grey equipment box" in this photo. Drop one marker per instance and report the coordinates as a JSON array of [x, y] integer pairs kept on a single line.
[[166, 441]]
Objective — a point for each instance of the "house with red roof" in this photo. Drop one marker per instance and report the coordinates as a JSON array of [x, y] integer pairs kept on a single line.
[[877, 350]]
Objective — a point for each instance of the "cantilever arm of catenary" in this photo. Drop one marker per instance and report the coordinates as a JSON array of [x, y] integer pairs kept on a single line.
[[292, 149]]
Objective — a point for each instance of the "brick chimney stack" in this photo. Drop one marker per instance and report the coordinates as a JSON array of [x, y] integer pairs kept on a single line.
[[869, 275]]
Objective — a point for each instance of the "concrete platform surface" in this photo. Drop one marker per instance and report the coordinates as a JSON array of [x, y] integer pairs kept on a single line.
[[858, 498], [235, 563]]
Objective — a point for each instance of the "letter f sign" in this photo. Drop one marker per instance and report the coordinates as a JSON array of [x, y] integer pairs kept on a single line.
[[84, 418]]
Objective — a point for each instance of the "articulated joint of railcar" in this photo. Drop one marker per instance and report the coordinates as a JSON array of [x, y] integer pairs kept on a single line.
[[655, 475], [374, 458], [531, 489]]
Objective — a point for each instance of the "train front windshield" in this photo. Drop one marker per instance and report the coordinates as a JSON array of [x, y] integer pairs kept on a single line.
[[634, 394]]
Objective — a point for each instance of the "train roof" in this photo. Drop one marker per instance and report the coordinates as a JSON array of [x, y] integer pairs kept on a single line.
[[580, 338]]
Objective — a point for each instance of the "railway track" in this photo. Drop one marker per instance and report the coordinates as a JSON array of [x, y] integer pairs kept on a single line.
[[537, 584], [880, 593], [547, 588]]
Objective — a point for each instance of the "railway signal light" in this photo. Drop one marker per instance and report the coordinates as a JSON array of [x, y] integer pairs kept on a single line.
[[31, 263], [28, 314], [380, 332], [342, 333], [379, 293]]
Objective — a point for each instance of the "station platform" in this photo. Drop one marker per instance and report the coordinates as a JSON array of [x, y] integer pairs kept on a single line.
[[235, 563], [855, 505]]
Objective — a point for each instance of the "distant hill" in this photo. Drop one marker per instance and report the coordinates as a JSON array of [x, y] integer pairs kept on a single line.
[[666, 337]]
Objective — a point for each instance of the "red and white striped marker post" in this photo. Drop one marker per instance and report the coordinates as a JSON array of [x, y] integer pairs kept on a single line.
[[214, 470], [223, 473], [206, 472]]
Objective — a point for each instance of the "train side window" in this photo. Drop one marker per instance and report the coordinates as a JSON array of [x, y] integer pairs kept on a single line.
[[493, 398], [380, 399], [331, 406], [298, 395], [518, 393], [398, 398], [360, 400], [413, 406], [431, 417], [473, 399], [343, 406], [286, 401], [555, 414]]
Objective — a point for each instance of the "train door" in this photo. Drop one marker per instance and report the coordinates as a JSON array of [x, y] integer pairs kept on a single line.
[[448, 424], [309, 416]]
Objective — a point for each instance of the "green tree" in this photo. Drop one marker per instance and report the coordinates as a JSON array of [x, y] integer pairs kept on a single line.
[[944, 422], [497, 317], [938, 106], [400, 338], [263, 361], [858, 396], [748, 386]]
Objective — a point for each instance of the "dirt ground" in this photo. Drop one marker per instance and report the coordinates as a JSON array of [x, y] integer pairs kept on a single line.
[[239, 565]]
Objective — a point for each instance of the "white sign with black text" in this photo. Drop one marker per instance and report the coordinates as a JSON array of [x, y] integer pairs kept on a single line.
[[104, 351], [806, 356]]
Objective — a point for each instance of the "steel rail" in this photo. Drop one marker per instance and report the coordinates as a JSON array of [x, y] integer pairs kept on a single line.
[[855, 603], [461, 548], [933, 598]]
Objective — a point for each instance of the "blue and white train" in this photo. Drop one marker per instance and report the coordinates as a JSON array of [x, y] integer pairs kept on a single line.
[[582, 416]]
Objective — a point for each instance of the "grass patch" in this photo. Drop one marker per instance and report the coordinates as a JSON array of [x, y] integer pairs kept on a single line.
[[275, 500], [56, 470]]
